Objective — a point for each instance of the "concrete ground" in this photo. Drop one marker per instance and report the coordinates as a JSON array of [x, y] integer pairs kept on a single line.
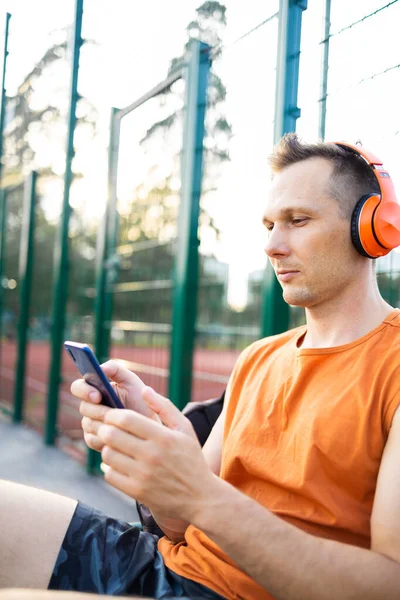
[[24, 458]]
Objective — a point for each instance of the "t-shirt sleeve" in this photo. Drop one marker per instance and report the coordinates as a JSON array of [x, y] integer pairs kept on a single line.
[[389, 413]]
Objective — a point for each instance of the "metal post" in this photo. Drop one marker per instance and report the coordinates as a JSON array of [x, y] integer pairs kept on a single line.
[[324, 70], [3, 90], [106, 261], [3, 229], [25, 280], [186, 269], [3, 193], [104, 268], [61, 250], [275, 311]]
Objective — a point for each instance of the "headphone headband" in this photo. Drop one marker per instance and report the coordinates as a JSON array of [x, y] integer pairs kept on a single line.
[[382, 176], [375, 222]]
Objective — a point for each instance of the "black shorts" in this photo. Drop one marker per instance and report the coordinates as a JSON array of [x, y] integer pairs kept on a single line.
[[107, 556]]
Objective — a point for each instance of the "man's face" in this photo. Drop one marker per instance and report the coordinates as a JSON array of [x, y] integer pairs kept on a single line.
[[309, 242]]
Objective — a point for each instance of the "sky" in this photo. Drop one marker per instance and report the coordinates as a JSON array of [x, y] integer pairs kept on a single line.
[[136, 41]]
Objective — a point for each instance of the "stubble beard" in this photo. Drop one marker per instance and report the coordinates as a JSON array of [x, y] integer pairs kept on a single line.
[[302, 297]]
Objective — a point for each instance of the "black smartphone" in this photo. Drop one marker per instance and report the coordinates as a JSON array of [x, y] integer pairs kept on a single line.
[[92, 373]]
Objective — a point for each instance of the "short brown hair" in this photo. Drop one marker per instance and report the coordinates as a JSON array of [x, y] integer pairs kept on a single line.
[[351, 176]]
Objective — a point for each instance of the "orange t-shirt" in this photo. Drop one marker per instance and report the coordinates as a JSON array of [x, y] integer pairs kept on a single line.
[[304, 435]]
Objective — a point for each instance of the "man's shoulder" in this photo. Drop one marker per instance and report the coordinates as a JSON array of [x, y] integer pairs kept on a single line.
[[387, 342], [393, 321]]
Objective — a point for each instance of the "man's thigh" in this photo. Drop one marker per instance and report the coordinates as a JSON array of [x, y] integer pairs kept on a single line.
[[33, 524]]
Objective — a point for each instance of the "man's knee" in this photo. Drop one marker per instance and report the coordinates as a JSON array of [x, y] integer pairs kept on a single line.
[[33, 524]]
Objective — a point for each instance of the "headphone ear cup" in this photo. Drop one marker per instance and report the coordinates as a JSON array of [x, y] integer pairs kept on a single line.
[[387, 224], [355, 229]]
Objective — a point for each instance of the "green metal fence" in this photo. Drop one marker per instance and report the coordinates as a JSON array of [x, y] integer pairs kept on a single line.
[[152, 300], [230, 292], [12, 215], [19, 212], [148, 201], [61, 255], [173, 281], [39, 330]]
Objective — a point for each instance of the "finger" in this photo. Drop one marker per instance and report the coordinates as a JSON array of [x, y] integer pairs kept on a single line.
[[122, 482], [90, 425], [121, 375], [90, 429], [93, 411], [120, 440], [119, 462], [84, 391], [93, 441], [134, 423], [168, 413]]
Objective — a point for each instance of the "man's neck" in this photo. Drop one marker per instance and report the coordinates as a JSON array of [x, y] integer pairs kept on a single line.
[[344, 320]]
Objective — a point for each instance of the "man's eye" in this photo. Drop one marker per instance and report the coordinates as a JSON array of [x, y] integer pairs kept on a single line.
[[270, 226], [300, 221]]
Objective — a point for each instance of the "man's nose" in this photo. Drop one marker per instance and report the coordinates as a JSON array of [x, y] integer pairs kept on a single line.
[[276, 244]]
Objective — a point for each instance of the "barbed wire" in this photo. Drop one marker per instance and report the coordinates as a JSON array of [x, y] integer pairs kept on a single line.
[[312, 47], [353, 85], [379, 73], [378, 10], [275, 15], [218, 49]]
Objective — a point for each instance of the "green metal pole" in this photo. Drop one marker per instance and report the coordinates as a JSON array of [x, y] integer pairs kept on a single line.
[[101, 257], [106, 247], [3, 194], [186, 269], [3, 90], [3, 230], [324, 70], [106, 263], [112, 263], [61, 250], [275, 311], [25, 280]]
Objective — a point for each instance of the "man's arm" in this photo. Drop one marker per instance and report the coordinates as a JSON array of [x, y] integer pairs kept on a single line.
[[165, 466], [293, 565]]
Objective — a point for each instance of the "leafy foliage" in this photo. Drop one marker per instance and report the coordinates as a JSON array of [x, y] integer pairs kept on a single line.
[[154, 206], [35, 138]]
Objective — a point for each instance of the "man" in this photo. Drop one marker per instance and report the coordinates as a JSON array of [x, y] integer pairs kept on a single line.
[[296, 495]]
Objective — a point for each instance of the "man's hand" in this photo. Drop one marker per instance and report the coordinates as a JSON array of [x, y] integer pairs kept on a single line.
[[128, 388], [163, 467]]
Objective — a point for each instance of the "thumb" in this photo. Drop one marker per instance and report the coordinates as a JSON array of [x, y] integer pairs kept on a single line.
[[121, 375], [169, 415]]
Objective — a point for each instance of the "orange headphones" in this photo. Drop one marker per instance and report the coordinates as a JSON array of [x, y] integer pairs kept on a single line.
[[375, 222]]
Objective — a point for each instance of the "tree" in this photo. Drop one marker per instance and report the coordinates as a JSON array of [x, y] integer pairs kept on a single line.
[[35, 138], [161, 199], [152, 212], [36, 130]]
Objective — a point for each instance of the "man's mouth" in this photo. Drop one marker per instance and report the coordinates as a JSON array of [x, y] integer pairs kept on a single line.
[[286, 274]]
